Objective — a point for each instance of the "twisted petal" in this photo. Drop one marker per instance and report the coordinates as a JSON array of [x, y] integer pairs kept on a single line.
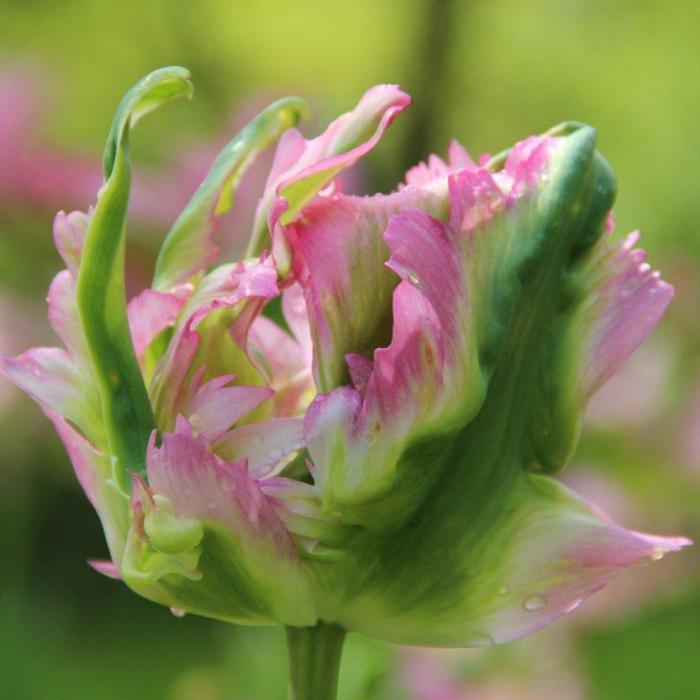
[[303, 168]]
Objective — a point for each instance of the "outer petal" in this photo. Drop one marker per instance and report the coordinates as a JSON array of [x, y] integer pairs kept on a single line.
[[430, 452], [626, 303], [248, 567], [536, 556]]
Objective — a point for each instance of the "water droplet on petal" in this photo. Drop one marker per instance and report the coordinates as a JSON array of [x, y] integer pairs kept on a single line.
[[503, 590], [178, 612], [657, 554], [276, 454], [535, 602], [413, 278], [480, 640]]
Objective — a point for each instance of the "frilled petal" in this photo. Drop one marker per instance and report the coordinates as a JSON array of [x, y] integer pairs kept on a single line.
[[435, 167], [243, 566], [492, 321], [531, 554], [626, 303], [303, 168]]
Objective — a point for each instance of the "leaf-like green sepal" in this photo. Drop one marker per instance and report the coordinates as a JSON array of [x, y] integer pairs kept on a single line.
[[188, 248], [128, 418]]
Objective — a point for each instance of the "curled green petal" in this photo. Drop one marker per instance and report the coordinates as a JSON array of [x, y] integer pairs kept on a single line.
[[101, 297], [188, 247]]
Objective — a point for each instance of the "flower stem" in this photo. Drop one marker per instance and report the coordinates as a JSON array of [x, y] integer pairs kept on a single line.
[[314, 661]]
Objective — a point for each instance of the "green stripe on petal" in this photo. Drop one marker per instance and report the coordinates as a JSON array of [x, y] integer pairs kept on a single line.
[[188, 247], [101, 298]]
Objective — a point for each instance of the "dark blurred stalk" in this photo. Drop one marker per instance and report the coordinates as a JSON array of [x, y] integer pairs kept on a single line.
[[431, 77]]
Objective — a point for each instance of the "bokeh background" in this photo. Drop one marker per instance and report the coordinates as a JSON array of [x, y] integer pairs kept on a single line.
[[487, 72]]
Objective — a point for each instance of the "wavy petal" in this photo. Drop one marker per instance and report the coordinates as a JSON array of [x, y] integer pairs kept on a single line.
[[303, 168]]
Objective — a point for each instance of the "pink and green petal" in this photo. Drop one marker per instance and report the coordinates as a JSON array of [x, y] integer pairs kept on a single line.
[[527, 559], [625, 305], [303, 168], [189, 247], [247, 568], [210, 335], [51, 378]]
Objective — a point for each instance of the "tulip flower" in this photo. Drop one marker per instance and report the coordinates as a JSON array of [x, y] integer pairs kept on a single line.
[[357, 427]]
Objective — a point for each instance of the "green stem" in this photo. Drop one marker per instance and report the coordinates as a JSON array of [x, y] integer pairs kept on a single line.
[[314, 661]]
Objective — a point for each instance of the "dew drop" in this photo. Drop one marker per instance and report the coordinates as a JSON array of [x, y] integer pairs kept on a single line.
[[413, 278], [657, 554], [535, 602], [276, 454], [37, 373], [480, 640], [503, 590], [178, 612]]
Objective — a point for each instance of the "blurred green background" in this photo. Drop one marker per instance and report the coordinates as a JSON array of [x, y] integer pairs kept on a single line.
[[487, 72]]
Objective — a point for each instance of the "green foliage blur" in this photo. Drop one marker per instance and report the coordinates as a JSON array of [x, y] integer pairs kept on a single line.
[[487, 72]]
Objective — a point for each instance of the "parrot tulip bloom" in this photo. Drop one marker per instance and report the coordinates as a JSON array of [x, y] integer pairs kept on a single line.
[[377, 457]]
